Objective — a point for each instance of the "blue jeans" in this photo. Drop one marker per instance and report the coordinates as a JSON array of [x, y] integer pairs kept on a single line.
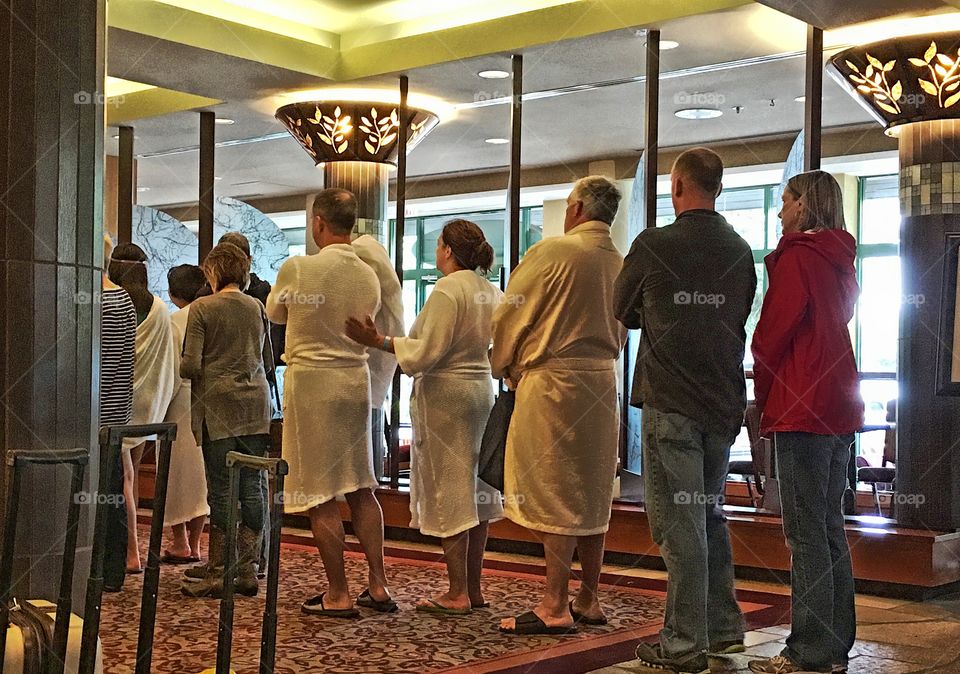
[[253, 486], [685, 472], [813, 477]]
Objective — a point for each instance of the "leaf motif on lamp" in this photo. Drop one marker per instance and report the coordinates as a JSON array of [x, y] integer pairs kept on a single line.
[[904, 79], [327, 132]]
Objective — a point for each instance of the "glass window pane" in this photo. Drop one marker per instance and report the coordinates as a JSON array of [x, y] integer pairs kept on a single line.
[[535, 227], [744, 210], [409, 251], [754, 314], [492, 224], [880, 210], [879, 313]]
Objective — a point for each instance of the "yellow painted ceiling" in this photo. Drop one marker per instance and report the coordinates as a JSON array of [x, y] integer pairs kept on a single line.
[[344, 40]]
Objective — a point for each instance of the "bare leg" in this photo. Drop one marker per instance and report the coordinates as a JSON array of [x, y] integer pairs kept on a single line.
[[180, 546], [455, 557], [590, 551], [553, 608], [130, 501], [478, 545], [327, 530], [194, 530], [368, 527]]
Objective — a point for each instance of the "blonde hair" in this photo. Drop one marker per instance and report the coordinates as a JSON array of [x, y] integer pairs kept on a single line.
[[226, 264], [822, 200], [107, 249]]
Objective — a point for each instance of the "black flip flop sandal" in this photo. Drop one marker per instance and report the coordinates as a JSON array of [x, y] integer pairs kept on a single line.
[[584, 620], [367, 601], [530, 623], [314, 606]]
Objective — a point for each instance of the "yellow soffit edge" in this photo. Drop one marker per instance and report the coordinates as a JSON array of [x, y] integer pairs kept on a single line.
[[376, 50], [150, 103], [168, 22]]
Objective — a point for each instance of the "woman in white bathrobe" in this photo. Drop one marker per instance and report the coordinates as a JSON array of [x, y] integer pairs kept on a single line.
[[186, 508], [446, 353], [154, 373]]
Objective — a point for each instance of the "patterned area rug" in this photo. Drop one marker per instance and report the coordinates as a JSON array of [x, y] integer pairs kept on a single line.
[[407, 641]]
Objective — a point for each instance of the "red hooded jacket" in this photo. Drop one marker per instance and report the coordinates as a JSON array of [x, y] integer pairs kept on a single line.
[[805, 373]]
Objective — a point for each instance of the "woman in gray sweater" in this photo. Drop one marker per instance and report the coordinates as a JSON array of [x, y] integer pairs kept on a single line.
[[227, 355]]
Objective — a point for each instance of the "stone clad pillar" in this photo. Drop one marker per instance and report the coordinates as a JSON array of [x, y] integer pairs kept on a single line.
[[928, 458], [51, 174], [370, 183]]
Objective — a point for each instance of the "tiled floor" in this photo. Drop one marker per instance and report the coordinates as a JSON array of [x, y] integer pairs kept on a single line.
[[893, 637]]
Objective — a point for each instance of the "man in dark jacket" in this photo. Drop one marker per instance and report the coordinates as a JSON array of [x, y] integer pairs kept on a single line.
[[690, 287]]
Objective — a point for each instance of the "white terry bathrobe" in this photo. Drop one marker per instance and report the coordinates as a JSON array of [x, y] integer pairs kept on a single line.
[[154, 369], [555, 333], [326, 396], [446, 353], [187, 483], [389, 320]]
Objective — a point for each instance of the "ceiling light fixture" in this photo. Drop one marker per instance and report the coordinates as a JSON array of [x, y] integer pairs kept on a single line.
[[800, 99], [668, 44], [497, 141], [143, 189], [224, 121], [698, 113], [493, 74]]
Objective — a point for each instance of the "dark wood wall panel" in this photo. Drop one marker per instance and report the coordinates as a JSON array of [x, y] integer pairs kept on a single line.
[[51, 147]]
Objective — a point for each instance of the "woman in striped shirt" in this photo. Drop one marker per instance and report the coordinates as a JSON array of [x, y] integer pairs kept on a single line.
[[118, 328]]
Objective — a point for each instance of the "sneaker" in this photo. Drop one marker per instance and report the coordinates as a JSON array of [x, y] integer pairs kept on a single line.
[[651, 656], [780, 664], [726, 647]]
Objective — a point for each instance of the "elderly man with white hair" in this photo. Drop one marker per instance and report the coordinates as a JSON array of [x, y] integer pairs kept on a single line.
[[555, 337]]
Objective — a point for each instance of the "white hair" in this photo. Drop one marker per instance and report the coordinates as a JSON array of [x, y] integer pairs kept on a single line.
[[600, 198]]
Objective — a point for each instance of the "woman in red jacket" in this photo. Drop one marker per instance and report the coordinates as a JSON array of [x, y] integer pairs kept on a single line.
[[807, 388]]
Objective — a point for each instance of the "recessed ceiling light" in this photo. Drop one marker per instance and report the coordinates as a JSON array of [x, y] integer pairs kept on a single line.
[[698, 113], [800, 99], [493, 74], [668, 44], [143, 189], [217, 178], [116, 136], [497, 141], [224, 120]]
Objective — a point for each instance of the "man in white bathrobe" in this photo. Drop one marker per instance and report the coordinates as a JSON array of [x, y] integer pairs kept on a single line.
[[389, 321], [555, 335], [326, 424]]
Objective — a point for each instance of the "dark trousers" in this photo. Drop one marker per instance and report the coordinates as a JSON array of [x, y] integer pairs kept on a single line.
[[813, 476], [115, 545], [253, 486]]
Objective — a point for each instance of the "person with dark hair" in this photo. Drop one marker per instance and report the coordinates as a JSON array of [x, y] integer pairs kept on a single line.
[[556, 339], [257, 287], [118, 333], [808, 392], [154, 373], [226, 355], [693, 278], [446, 354], [326, 402], [186, 508]]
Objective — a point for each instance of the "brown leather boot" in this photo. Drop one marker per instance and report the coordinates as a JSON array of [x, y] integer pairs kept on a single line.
[[248, 549], [211, 585]]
